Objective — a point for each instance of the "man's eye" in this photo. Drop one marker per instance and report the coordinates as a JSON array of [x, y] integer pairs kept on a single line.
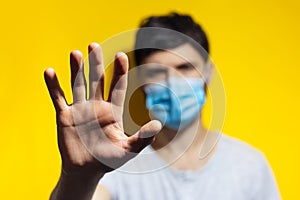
[[185, 67]]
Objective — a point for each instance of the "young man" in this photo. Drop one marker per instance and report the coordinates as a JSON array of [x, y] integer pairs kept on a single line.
[[173, 69]]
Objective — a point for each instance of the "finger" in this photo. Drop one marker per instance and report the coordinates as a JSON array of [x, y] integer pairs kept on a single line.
[[55, 91], [119, 81], [144, 136], [77, 77], [96, 72]]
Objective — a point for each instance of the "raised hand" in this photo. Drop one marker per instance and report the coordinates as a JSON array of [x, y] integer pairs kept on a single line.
[[90, 134]]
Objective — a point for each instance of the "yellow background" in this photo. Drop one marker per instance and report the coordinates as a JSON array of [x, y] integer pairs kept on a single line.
[[255, 45]]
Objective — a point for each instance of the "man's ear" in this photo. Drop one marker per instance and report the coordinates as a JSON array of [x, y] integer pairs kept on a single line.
[[208, 72]]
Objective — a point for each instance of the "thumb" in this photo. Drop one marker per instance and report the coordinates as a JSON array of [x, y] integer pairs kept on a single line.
[[144, 136]]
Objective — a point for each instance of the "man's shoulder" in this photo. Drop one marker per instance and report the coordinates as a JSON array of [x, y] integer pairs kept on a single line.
[[234, 150]]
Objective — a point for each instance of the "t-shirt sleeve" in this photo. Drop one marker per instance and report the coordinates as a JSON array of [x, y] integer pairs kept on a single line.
[[266, 187], [110, 182]]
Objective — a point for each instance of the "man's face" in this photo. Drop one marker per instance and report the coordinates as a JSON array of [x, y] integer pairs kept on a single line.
[[182, 62], [178, 97]]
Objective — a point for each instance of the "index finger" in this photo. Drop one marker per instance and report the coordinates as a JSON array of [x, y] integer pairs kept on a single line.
[[55, 91]]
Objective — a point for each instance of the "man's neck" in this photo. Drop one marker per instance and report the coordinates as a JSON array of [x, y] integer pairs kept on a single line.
[[181, 140], [181, 149]]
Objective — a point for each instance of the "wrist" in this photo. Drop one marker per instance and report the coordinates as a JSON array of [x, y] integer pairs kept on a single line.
[[87, 175], [76, 186]]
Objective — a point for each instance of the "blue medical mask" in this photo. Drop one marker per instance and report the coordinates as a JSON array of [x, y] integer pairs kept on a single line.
[[176, 102]]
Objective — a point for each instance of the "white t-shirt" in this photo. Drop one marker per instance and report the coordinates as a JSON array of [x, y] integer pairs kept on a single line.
[[235, 172]]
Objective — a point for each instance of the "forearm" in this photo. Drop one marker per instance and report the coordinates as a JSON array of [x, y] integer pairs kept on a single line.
[[76, 187]]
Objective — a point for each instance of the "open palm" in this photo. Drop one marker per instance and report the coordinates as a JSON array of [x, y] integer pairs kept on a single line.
[[90, 130]]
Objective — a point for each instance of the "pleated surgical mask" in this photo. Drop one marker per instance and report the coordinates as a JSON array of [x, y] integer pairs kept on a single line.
[[176, 102]]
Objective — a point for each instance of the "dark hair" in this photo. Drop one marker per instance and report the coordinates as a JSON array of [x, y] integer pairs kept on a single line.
[[167, 32]]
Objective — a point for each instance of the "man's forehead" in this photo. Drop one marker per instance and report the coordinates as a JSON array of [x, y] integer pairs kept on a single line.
[[182, 54]]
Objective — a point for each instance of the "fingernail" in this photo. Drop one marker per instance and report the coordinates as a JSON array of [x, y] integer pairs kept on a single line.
[[119, 54]]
